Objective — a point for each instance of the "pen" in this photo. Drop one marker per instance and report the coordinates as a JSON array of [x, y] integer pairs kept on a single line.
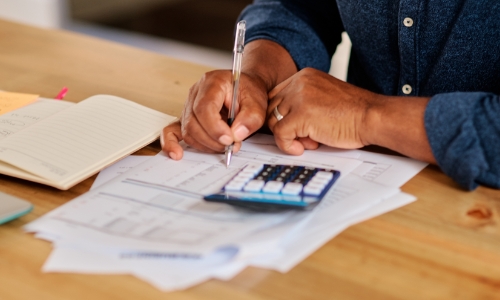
[[239, 45]]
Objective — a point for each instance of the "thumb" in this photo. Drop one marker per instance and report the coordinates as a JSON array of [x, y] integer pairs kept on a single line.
[[251, 115]]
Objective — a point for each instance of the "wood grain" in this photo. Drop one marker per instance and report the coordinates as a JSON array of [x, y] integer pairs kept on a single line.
[[446, 245]]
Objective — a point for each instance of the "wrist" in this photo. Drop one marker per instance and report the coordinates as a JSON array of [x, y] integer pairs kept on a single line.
[[397, 123], [372, 126], [268, 63]]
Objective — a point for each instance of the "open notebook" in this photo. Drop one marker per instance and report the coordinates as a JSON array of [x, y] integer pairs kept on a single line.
[[59, 143]]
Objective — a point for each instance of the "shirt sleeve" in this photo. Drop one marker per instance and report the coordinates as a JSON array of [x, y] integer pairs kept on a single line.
[[309, 30], [464, 133]]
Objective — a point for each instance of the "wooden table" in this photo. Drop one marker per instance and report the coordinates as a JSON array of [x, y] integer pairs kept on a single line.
[[446, 245]]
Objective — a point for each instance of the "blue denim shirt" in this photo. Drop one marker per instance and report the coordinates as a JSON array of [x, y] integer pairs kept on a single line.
[[448, 50]]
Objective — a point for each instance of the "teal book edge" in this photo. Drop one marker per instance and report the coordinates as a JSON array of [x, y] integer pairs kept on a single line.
[[16, 215]]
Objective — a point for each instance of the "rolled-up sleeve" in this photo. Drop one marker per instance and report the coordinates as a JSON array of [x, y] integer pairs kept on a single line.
[[464, 133], [308, 30]]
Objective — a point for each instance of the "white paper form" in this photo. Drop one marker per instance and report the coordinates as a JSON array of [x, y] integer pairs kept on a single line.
[[118, 168], [350, 197], [278, 245], [158, 206], [266, 139], [293, 251], [385, 169], [388, 170], [167, 274], [221, 265]]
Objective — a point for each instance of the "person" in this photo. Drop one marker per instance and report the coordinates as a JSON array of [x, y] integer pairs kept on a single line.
[[423, 80]]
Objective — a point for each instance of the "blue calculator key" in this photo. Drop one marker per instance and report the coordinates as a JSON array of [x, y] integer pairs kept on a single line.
[[276, 187]]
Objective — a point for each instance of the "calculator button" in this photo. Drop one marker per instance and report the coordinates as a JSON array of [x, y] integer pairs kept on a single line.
[[254, 169], [313, 189], [239, 181], [323, 174], [292, 188], [254, 186], [273, 187], [234, 186], [243, 177], [319, 181], [248, 174]]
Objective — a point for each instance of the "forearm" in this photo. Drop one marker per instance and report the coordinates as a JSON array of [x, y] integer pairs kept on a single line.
[[308, 30], [397, 123], [267, 62]]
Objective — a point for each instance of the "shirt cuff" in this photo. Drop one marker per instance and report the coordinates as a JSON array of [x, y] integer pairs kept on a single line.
[[463, 130]]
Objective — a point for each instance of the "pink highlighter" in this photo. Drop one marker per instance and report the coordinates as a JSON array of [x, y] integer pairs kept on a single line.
[[61, 94]]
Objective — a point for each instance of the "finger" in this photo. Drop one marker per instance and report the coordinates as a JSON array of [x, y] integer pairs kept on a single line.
[[308, 143], [193, 132], [251, 115], [170, 138], [212, 94], [236, 147], [285, 135], [280, 87], [195, 136], [279, 103]]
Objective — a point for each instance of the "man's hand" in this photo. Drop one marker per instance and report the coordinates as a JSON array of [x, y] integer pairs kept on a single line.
[[203, 123], [318, 108]]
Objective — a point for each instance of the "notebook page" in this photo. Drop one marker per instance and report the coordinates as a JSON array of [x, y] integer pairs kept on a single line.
[[74, 144], [26, 116]]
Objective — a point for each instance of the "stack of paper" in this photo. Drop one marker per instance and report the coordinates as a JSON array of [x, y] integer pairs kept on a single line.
[[152, 222]]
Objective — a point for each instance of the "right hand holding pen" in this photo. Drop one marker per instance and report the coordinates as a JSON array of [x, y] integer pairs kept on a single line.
[[203, 123]]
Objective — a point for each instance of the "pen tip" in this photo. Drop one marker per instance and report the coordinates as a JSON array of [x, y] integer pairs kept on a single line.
[[228, 157]]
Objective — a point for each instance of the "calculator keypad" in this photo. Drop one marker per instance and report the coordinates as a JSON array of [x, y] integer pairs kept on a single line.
[[275, 179], [278, 185]]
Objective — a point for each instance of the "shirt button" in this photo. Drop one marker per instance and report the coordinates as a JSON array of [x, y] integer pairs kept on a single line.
[[407, 89], [408, 22]]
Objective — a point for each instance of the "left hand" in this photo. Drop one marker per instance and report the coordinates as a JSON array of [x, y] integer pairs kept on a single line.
[[318, 108]]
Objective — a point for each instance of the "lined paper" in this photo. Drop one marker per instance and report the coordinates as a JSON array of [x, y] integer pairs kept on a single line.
[[76, 143], [29, 115]]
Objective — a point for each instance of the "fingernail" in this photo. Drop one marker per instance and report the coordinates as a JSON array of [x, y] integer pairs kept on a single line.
[[172, 155], [162, 141], [241, 133], [226, 140]]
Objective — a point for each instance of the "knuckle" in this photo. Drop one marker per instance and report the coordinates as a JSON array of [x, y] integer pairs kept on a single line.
[[186, 127], [215, 76], [191, 93], [189, 140], [204, 105]]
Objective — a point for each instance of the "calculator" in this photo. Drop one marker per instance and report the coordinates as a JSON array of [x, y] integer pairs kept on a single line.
[[275, 187]]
